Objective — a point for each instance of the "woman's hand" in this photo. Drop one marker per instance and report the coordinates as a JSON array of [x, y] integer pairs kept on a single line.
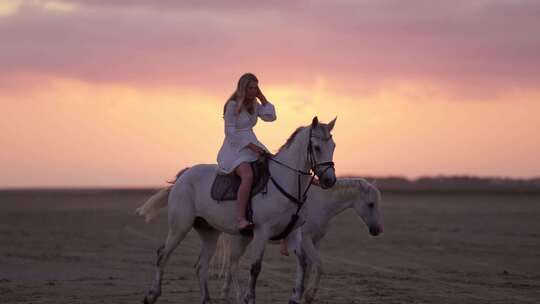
[[260, 151], [261, 97]]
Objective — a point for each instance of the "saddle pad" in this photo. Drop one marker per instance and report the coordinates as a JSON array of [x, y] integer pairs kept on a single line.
[[225, 186]]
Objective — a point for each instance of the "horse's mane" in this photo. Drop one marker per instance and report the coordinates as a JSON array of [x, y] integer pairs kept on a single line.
[[355, 185], [351, 185], [290, 140]]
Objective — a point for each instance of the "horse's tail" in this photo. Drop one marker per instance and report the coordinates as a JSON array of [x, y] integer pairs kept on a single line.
[[219, 264], [151, 207]]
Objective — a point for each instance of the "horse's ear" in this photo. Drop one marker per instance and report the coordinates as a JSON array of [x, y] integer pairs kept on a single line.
[[315, 122], [331, 124]]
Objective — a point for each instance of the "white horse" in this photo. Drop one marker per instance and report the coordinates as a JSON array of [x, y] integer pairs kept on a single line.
[[191, 206], [320, 208]]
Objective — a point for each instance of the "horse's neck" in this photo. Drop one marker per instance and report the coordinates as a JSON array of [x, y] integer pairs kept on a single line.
[[295, 157], [339, 201]]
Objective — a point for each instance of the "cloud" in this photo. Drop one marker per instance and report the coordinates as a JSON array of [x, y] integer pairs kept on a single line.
[[469, 47], [8, 8]]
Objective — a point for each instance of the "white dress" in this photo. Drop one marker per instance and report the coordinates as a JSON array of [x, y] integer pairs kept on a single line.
[[239, 133]]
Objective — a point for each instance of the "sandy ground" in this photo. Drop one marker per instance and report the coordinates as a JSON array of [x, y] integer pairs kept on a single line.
[[88, 247]]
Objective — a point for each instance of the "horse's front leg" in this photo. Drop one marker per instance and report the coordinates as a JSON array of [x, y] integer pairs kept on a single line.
[[301, 271], [315, 261], [258, 246]]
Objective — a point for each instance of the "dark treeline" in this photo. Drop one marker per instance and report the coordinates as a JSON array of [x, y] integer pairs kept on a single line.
[[456, 184], [468, 184]]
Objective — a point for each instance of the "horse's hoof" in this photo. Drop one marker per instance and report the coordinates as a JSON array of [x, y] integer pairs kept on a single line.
[[248, 300], [224, 292], [150, 297], [308, 298], [146, 301]]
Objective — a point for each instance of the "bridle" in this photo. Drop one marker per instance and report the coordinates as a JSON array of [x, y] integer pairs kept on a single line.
[[302, 195], [311, 156]]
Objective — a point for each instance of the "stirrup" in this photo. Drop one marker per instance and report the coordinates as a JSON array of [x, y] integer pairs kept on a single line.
[[248, 230]]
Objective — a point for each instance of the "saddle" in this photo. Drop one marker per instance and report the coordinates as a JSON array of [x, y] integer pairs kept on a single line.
[[225, 186]]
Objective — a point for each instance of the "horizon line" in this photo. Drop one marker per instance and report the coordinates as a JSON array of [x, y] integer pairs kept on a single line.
[[149, 186]]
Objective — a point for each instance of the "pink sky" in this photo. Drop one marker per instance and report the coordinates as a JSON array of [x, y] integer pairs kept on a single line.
[[104, 93]]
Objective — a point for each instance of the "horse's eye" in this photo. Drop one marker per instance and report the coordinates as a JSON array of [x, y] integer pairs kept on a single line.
[[371, 205]]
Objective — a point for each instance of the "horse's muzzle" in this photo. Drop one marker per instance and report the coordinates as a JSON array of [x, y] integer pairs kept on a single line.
[[328, 180]]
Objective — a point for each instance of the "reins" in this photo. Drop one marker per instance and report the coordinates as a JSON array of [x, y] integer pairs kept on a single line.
[[301, 197]]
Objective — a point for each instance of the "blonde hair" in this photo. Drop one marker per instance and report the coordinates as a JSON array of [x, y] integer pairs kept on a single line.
[[240, 93]]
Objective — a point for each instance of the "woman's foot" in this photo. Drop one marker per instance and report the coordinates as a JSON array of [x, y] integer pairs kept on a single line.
[[243, 224], [284, 249]]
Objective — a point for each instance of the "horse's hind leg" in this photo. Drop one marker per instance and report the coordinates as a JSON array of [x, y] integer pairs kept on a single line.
[[209, 237], [177, 232]]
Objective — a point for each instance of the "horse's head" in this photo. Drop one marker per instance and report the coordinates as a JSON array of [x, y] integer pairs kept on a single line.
[[321, 148], [367, 206]]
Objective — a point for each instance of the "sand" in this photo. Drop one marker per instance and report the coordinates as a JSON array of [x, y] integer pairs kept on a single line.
[[88, 247]]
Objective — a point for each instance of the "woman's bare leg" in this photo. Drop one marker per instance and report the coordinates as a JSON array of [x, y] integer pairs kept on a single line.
[[246, 174]]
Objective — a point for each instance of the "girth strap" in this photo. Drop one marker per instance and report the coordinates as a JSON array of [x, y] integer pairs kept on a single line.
[[287, 230]]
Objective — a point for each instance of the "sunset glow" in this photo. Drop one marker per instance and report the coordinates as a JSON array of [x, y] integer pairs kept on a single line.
[[99, 94]]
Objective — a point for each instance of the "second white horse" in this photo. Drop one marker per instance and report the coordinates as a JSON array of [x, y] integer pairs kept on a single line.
[[320, 208]]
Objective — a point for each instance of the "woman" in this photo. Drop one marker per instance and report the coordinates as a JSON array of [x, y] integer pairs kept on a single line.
[[240, 146]]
